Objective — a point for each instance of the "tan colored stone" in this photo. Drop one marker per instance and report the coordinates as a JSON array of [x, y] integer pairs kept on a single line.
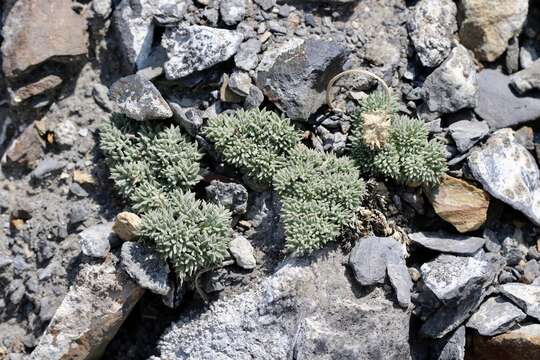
[[83, 178], [226, 94], [127, 225], [519, 344], [27, 149], [460, 203], [35, 31], [91, 313], [39, 87]]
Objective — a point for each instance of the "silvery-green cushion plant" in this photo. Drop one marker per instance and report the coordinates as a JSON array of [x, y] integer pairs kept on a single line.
[[320, 193], [190, 233], [257, 142], [407, 156], [144, 158]]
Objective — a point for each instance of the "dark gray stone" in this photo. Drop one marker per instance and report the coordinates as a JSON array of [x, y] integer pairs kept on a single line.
[[246, 58], [195, 48], [467, 133], [145, 267], [232, 196], [495, 316], [139, 99], [254, 99], [294, 74], [190, 119], [401, 282], [451, 347], [448, 243], [453, 85], [499, 105], [96, 240]]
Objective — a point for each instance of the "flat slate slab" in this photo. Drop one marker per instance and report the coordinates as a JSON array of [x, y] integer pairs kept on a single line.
[[447, 243], [495, 316]]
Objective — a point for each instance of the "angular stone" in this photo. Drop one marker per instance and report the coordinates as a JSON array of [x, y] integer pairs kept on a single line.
[[401, 282], [508, 172], [31, 34], [126, 225], [460, 203], [294, 74], [91, 313], [195, 48], [26, 150], [499, 106], [467, 133], [146, 267], [139, 99], [453, 85], [370, 257], [451, 277], [527, 297], [495, 316], [246, 58], [522, 343], [448, 243], [527, 79], [240, 83], [432, 27], [230, 195], [232, 11], [308, 308], [243, 252], [95, 240], [451, 347], [41, 86], [487, 26]]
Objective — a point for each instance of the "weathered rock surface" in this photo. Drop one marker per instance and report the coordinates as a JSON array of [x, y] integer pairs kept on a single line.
[[308, 308], [448, 243], [508, 172], [31, 36], [195, 48], [139, 99], [527, 297], [26, 150], [431, 27], [232, 196], [453, 85], [95, 240], [495, 316], [519, 344], [243, 252], [467, 133], [232, 11], [38, 87], [451, 347], [145, 267], [294, 74], [126, 225], [460, 203], [246, 58], [527, 79], [499, 106], [487, 27], [90, 314]]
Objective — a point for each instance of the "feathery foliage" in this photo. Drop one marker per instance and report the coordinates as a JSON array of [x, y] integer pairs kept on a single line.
[[148, 160], [190, 233], [319, 193], [255, 141], [407, 157]]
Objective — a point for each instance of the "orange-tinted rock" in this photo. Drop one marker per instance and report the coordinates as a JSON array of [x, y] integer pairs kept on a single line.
[[460, 203], [519, 344]]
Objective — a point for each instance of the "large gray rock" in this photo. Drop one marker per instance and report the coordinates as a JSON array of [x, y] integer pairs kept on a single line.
[[139, 99], [527, 297], [294, 74], [308, 309], [508, 172], [467, 133], [448, 243], [453, 85], [232, 196], [495, 316], [195, 48], [370, 257], [96, 240], [432, 26], [451, 347], [499, 106], [145, 267], [487, 26], [93, 310], [527, 79]]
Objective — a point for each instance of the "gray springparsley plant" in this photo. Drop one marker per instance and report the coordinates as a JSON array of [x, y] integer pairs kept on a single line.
[[146, 160], [407, 157], [320, 193], [190, 233], [255, 141]]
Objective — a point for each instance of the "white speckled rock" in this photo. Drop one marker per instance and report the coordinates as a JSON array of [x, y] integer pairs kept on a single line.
[[195, 48], [495, 316], [508, 172]]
